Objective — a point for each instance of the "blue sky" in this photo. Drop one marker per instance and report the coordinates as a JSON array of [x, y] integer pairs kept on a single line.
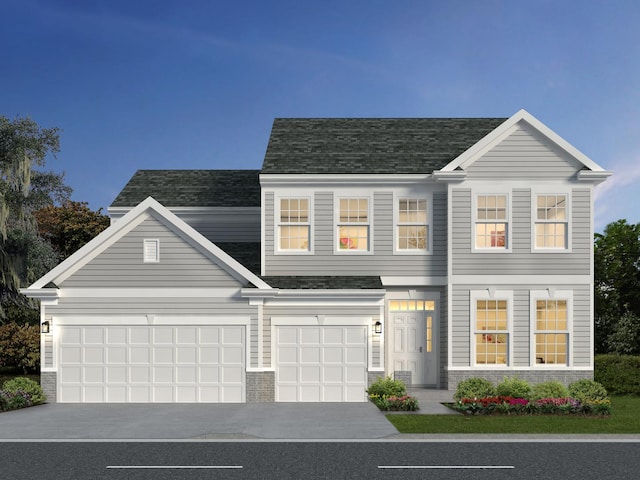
[[196, 84]]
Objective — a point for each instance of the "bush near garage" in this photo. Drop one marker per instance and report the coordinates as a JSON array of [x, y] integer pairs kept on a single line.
[[391, 395], [20, 347], [20, 392], [619, 374]]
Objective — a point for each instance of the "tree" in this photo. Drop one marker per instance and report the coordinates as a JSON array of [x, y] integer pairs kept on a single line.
[[69, 226], [24, 145], [617, 280]]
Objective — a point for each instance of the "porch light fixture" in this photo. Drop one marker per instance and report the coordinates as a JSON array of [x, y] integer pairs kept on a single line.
[[46, 327], [377, 328]]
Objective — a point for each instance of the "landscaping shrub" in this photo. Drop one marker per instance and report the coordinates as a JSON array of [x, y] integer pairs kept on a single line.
[[404, 403], [619, 374], [550, 389], [474, 387], [18, 399], [20, 346], [387, 387], [514, 387], [587, 391], [25, 386]]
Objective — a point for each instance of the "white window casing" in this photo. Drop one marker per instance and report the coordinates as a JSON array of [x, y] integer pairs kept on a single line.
[[353, 225], [413, 224], [551, 223], [547, 327], [492, 336], [293, 225], [492, 220]]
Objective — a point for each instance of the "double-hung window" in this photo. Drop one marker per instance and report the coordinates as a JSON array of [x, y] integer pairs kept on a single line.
[[551, 222], [491, 325], [551, 323], [294, 227], [412, 229], [492, 222], [353, 227]]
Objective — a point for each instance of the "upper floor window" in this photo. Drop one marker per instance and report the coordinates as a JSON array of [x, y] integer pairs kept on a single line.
[[491, 222], [551, 222], [294, 227], [353, 224], [412, 227]]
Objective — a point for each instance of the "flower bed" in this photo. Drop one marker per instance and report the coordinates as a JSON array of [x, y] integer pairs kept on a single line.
[[20, 393], [391, 395], [520, 406]]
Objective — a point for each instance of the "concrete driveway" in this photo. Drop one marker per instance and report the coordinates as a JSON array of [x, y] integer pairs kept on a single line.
[[196, 421]]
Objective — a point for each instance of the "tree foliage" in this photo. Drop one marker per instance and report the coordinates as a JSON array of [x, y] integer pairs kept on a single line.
[[69, 226], [20, 346], [617, 286], [24, 145]]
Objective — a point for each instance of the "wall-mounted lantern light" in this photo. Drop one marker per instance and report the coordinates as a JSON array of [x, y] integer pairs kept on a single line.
[[377, 328], [46, 327]]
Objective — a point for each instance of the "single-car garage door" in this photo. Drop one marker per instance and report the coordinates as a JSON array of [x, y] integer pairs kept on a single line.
[[151, 364], [321, 364]]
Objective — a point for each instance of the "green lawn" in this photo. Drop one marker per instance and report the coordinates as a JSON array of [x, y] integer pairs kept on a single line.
[[624, 419]]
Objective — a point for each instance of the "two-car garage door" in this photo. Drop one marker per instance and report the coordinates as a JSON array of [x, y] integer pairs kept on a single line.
[[151, 364]]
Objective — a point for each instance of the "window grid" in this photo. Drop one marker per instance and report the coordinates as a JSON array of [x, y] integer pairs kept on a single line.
[[491, 221], [353, 226], [551, 221], [551, 332], [492, 334], [412, 227], [294, 229]]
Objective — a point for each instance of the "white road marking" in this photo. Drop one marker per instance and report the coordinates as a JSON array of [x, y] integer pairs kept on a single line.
[[168, 467], [447, 467]]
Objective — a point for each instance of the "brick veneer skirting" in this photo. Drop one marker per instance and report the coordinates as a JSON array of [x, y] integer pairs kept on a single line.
[[48, 382], [404, 376], [533, 377], [261, 387]]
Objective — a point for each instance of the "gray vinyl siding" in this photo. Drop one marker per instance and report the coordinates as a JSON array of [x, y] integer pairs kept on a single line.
[[232, 225], [181, 264], [444, 332], [309, 311], [525, 154], [227, 227], [325, 261], [521, 260], [520, 334]]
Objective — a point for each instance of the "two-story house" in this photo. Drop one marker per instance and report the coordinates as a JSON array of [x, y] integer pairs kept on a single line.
[[428, 249]]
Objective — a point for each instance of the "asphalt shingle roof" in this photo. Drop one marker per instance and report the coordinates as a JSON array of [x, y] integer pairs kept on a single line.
[[246, 254], [324, 282], [193, 188], [370, 145]]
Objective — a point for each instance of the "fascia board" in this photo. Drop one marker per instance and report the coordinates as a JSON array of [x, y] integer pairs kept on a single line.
[[502, 131], [275, 180], [594, 177]]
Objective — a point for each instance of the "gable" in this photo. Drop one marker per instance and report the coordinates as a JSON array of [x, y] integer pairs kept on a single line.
[[181, 262], [524, 154]]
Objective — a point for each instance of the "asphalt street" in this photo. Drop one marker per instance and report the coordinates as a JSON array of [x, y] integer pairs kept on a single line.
[[320, 460]]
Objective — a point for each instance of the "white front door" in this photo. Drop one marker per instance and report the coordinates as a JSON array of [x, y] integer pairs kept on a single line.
[[414, 346]]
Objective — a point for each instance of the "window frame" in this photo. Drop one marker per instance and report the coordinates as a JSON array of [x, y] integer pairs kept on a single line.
[[534, 220], [278, 223], [550, 294], [397, 197], [337, 224], [496, 295], [475, 221]]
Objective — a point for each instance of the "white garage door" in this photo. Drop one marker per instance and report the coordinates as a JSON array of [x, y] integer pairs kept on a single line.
[[151, 364], [321, 364]]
